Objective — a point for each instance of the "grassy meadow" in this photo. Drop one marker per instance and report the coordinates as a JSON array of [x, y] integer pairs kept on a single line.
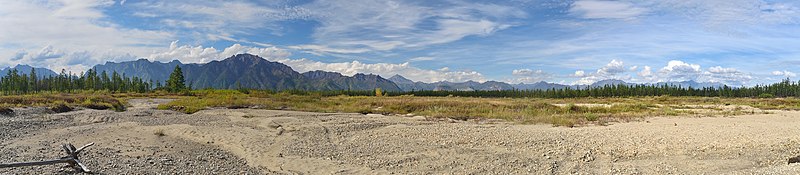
[[556, 111], [560, 112]]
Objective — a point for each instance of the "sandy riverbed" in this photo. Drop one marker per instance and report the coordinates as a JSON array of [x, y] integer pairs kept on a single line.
[[143, 140]]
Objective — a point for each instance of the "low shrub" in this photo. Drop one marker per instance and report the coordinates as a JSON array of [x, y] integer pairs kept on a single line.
[[6, 111], [60, 107]]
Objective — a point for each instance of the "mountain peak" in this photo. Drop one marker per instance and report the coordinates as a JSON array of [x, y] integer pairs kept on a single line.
[[245, 58], [399, 79], [26, 69], [319, 74]]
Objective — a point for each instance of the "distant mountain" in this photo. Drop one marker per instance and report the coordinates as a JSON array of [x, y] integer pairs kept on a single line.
[[251, 71], [400, 80], [142, 68], [25, 69], [248, 71], [243, 70], [602, 83], [408, 85], [323, 80], [539, 86], [692, 83]]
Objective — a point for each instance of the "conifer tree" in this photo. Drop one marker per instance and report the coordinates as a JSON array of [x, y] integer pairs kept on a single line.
[[176, 83]]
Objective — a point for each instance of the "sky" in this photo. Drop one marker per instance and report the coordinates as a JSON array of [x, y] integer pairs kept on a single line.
[[735, 42]]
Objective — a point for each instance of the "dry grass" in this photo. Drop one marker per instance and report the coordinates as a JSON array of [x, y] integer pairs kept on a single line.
[[62, 101], [521, 110]]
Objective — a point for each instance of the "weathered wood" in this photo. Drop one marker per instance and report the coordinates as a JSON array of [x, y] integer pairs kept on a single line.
[[71, 159]]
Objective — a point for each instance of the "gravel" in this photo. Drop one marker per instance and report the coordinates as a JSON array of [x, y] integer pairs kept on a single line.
[[143, 140]]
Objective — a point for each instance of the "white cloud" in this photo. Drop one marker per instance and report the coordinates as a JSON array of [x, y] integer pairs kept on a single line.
[[19, 55], [729, 76], [186, 53], [679, 71], [385, 70], [46, 53], [320, 49], [390, 25], [612, 70], [646, 72], [200, 54], [530, 76], [725, 14], [579, 73], [595, 9], [524, 72], [784, 73], [421, 59], [54, 30], [224, 18]]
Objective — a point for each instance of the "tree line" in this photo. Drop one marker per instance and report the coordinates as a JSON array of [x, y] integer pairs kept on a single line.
[[15, 82], [785, 88]]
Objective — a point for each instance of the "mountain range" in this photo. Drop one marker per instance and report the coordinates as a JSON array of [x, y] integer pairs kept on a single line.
[[248, 71], [251, 71], [408, 85], [25, 69]]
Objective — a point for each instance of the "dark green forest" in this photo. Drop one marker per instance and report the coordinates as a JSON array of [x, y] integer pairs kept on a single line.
[[785, 88], [16, 83]]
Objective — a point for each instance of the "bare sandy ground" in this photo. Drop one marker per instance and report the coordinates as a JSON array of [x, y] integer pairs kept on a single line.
[[247, 141]]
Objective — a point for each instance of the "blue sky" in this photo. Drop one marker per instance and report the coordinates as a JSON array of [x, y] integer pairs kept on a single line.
[[736, 42]]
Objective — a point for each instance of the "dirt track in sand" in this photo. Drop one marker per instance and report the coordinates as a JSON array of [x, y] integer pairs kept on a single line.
[[284, 142]]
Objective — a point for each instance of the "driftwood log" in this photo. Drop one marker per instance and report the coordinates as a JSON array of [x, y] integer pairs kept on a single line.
[[794, 160], [71, 159]]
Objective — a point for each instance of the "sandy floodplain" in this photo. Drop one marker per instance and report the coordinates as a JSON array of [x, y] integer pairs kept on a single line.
[[144, 140]]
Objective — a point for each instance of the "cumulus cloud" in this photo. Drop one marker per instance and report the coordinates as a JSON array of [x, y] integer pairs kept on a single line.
[[729, 76], [673, 71], [57, 59], [385, 70], [784, 73], [52, 33], [579, 73], [530, 76], [612, 70], [676, 71], [46, 53], [76, 24], [646, 72], [680, 71], [200, 54], [595, 9]]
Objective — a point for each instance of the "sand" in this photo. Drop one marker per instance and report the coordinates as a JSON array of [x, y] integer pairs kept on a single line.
[[143, 140]]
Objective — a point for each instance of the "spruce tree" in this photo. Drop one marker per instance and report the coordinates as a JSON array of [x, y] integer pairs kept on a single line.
[[175, 83]]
